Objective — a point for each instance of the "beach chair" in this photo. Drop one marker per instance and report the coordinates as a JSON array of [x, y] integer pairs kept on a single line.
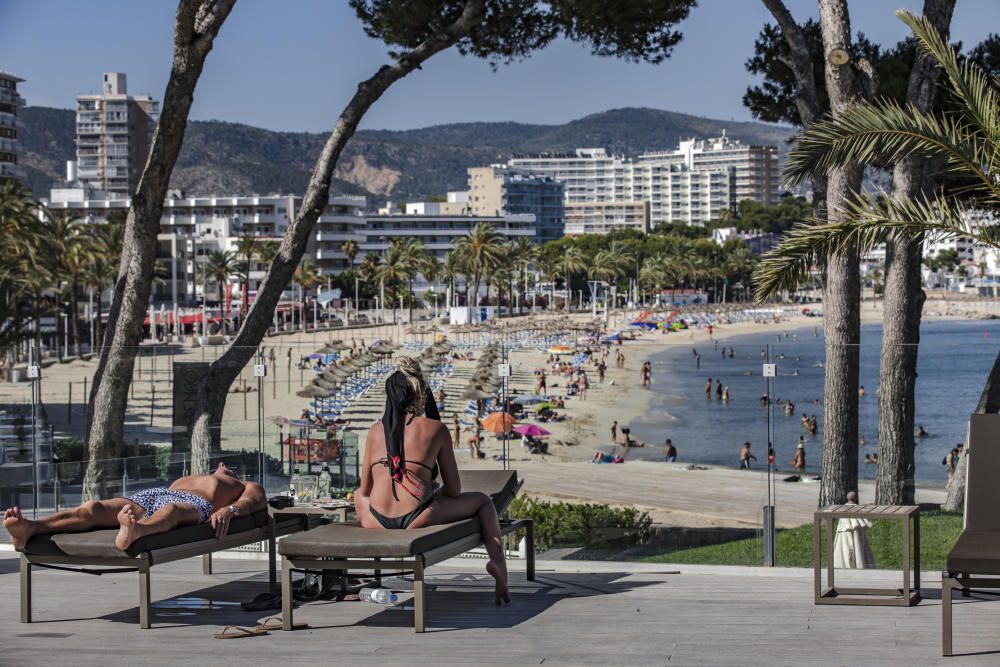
[[82, 552], [974, 561], [350, 548]]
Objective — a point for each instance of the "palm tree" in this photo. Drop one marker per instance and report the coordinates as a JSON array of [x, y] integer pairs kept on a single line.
[[350, 248], [220, 266], [480, 251], [657, 272], [571, 262], [549, 266], [966, 140], [416, 261], [524, 254], [451, 269], [98, 276], [17, 230], [248, 245], [307, 276], [395, 270]]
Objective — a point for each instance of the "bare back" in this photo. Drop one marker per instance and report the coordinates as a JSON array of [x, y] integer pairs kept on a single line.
[[425, 443], [220, 490]]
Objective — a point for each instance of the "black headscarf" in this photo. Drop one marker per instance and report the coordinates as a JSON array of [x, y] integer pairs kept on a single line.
[[400, 399]]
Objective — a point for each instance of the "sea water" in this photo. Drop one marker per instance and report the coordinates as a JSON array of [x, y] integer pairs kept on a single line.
[[954, 360]]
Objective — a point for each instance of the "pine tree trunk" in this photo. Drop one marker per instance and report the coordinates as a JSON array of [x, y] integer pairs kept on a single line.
[[848, 84], [904, 302], [842, 338], [195, 29], [214, 387]]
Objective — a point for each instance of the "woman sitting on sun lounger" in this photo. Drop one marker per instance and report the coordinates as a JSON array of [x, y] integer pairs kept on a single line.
[[403, 455]]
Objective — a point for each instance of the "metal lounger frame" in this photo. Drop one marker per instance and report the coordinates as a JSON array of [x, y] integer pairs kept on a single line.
[[143, 562], [418, 563], [967, 583]]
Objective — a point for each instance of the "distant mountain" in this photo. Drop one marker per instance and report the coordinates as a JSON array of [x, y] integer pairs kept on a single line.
[[224, 158]]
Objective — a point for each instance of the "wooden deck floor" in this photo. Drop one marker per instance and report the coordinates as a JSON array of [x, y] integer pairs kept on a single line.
[[574, 614]]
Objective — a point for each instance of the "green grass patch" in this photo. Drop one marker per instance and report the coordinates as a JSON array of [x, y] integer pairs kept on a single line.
[[794, 547]]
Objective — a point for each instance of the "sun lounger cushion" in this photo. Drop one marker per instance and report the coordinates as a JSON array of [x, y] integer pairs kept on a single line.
[[976, 552], [101, 543], [352, 541]]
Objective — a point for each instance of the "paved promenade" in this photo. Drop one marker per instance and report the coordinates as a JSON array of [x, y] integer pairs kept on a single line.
[[574, 614]]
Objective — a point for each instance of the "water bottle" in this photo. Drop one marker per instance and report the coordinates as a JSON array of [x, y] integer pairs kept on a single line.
[[325, 483], [294, 483], [378, 595]]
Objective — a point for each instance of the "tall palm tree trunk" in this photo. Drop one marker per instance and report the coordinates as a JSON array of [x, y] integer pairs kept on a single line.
[[75, 305], [903, 302]]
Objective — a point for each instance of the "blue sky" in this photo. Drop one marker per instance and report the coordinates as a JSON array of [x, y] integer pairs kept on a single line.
[[293, 64]]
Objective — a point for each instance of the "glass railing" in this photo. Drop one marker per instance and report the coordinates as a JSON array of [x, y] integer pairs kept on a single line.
[[678, 453]]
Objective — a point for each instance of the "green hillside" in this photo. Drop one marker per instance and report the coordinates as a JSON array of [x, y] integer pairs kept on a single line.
[[220, 157]]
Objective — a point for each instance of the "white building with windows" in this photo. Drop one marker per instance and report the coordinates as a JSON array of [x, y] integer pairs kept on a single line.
[[10, 102], [193, 227], [113, 134], [689, 185]]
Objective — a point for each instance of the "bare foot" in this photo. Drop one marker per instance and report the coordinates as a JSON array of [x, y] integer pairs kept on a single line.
[[500, 591], [20, 529], [129, 531]]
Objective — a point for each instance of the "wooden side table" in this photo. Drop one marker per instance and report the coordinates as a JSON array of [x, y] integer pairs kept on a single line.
[[904, 596]]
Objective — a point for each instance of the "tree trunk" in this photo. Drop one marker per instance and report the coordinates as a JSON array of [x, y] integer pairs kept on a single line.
[[214, 386], [848, 84], [904, 301], [989, 402], [195, 29]]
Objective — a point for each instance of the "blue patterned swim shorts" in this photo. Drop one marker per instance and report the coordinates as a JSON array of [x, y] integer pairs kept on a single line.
[[151, 500]]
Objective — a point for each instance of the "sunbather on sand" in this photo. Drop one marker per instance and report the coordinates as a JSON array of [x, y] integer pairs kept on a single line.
[[216, 498], [403, 455]]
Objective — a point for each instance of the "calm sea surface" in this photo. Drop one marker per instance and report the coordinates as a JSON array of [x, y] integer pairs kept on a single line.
[[955, 358]]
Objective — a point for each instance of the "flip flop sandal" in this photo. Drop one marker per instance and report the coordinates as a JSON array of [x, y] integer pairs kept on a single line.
[[263, 602], [236, 632], [274, 623]]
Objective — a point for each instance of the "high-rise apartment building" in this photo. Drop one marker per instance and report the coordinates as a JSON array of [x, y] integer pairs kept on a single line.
[[498, 190], [113, 132], [690, 185], [10, 102]]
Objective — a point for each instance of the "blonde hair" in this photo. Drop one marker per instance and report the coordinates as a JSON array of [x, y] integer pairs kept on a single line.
[[410, 369]]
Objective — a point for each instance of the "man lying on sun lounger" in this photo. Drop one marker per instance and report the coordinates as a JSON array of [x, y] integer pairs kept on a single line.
[[216, 498]]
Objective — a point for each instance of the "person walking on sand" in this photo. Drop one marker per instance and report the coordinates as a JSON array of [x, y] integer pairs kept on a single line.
[[456, 427], [647, 372], [614, 432], [746, 456], [799, 460], [670, 452]]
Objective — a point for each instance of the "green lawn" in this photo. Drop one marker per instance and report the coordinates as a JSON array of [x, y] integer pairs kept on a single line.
[[938, 533]]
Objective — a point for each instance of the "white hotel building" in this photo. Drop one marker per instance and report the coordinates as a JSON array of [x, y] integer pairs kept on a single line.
[[192, 227], [690, 185]]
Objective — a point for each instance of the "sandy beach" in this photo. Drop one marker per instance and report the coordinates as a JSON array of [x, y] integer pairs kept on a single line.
[[716, 496]]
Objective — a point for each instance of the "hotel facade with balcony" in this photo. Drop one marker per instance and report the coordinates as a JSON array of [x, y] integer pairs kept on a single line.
[[193, 227], [689, 185], [113, 134], [10, 102]]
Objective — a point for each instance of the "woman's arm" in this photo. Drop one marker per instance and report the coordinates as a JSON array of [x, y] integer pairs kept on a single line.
[[452, 485], [365, 489]]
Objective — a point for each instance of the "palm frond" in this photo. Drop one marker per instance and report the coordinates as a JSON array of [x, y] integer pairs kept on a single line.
[[866, 223], [969, 83], [886, 132]]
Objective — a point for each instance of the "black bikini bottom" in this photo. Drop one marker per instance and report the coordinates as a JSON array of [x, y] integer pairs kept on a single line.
[[401, 522]]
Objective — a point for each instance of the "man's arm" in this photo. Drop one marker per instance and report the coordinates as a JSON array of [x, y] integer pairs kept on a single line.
[[251, 500]]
